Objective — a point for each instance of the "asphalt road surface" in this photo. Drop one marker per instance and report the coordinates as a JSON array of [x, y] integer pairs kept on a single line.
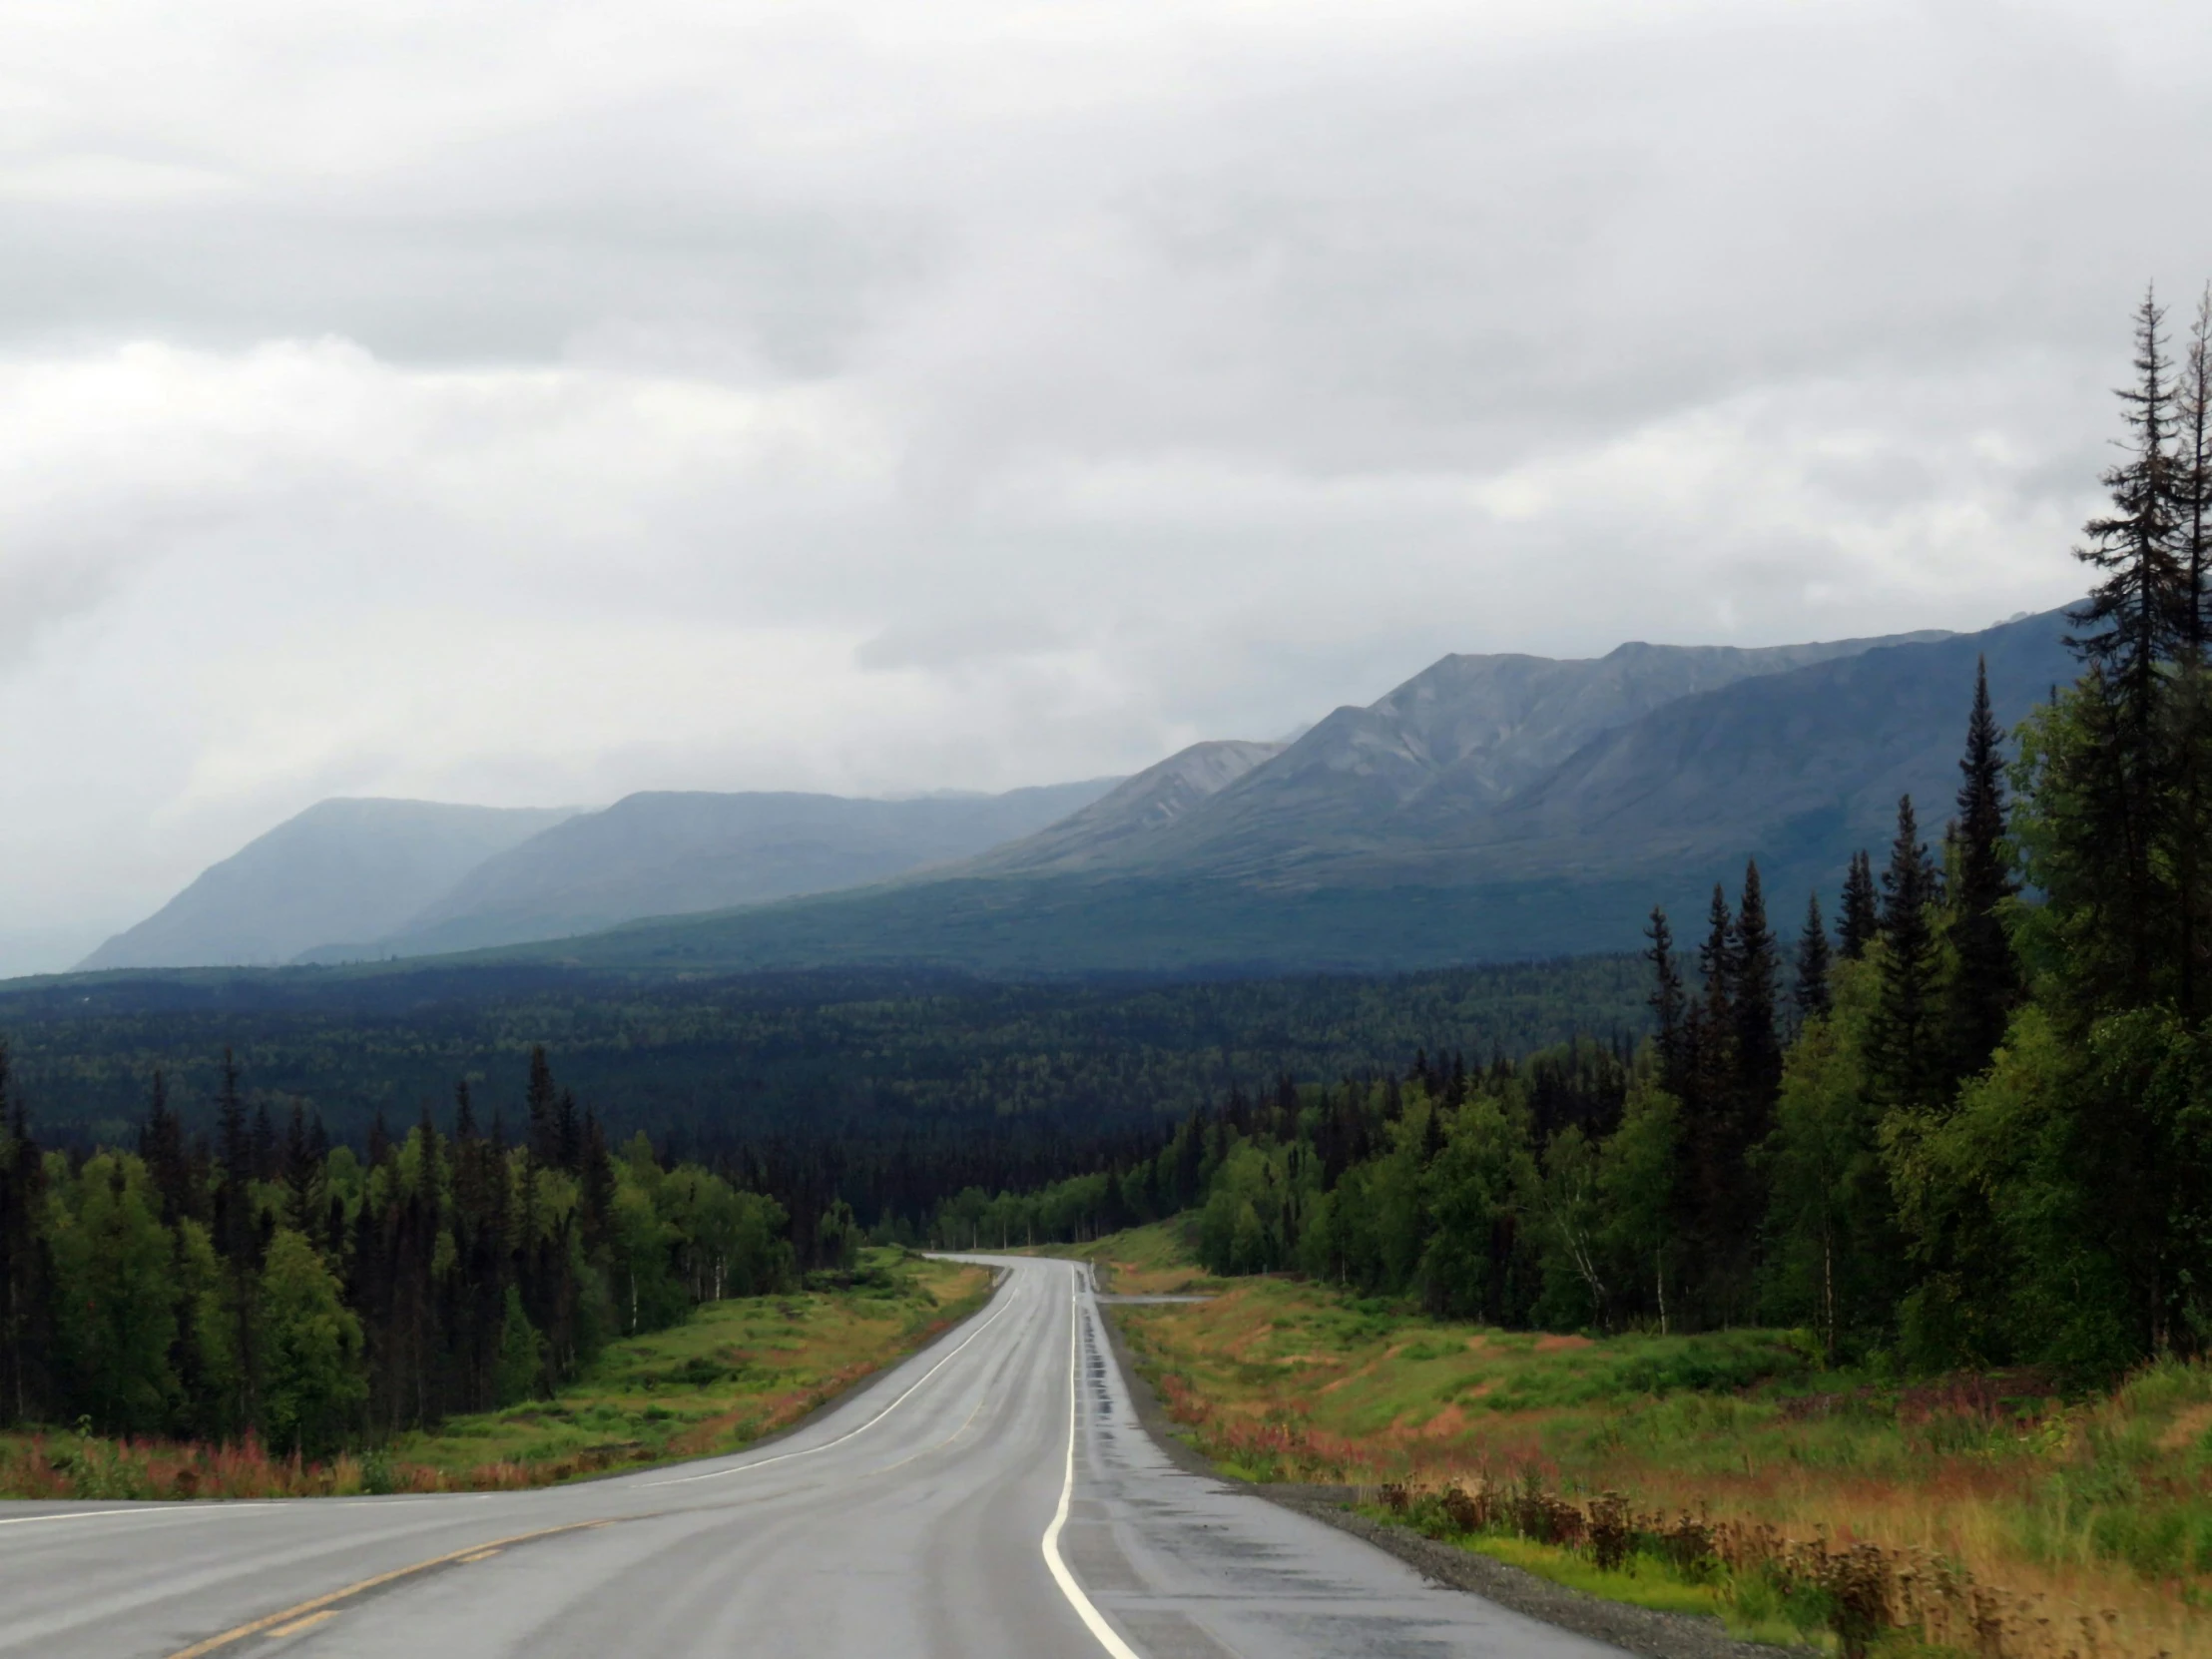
[[992, 1498]]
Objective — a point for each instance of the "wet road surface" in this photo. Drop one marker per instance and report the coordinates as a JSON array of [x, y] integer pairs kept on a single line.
[[992, 1498]]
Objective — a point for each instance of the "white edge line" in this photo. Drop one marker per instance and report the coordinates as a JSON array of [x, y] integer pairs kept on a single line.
[[182, 1510], [170, 1509], [1093, 1619], [786, 1457]]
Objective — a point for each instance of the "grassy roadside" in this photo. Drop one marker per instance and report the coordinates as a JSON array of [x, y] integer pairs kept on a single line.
[[1722, 1473], [735, 1371]]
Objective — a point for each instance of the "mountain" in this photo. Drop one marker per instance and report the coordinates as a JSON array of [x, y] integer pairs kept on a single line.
[[1794, 769], [1132, 813], [663, 854], [341, 870], [1488, 809], [1462, 736], [1491, 807]]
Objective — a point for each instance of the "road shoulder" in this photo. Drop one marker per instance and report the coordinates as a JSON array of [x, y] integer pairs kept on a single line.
[[1638, 1630]]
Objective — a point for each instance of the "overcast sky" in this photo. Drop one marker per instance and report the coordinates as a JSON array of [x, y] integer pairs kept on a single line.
[[531, 403]]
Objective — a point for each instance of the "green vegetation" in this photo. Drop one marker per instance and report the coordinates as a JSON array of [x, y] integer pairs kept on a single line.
[[1748, 1473], [879, 1057], [732, 1372], [282, 1287]]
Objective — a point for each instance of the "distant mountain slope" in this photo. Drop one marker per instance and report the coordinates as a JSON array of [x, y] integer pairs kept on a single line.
[[1136, 810], [669, 854], [1798, 767], [1464, 734], [343, 869]]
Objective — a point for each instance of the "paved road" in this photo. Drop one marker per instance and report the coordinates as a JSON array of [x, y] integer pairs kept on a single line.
[[995, 1497]]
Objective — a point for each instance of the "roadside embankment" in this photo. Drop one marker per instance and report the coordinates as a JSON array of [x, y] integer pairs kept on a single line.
[[1722, 1481]]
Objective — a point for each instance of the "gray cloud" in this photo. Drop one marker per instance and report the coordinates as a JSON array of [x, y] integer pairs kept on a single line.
[[454, 401]]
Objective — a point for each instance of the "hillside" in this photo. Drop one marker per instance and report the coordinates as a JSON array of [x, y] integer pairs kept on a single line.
[[341, 870], [1370, 845], [1133, 813], [671, 853], [1491, 807], [1463, 735]]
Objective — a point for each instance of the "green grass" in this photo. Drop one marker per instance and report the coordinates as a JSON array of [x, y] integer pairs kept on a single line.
[[732, 1372], [1155, 1259]]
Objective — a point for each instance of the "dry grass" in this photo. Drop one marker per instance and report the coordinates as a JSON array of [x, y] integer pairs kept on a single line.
[[2002, 1519]]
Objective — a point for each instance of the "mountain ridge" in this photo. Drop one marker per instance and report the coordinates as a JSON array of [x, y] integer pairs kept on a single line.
[[1491, 804], [349, 862]]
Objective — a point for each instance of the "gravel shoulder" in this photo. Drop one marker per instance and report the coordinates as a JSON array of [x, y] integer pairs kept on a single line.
[[1638, 1630]]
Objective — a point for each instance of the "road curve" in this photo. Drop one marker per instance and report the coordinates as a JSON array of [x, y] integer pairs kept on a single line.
[[993, 1498]]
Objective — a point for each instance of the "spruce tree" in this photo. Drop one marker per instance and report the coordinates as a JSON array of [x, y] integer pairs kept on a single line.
[[1754, 968], [2186, 822], [2121, 787], [1906, 1058], [2193, 476], [161, 1145], [542, 1101], [2136, 613], [1711, 1167], [237, 1239], [1811, 993], [26, 1266], [1861, 921], [1666, 999], [1985, 984]]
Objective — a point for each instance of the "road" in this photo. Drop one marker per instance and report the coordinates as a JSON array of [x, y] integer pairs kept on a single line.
[[993, 1495]]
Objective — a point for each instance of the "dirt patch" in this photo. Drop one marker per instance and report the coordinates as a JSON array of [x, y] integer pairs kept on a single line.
[[2187, 1428], [1450, 1421], [1560, 1345]]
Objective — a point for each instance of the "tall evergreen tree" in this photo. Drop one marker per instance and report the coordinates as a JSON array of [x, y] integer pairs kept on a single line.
[[1986, 980], [161, 1145], [542, 1101], [1811, 993], [1860, 923], [2135, 616], [1666, 999], [2139, 617], [2193, 476], [26, 1266], [1754, 969], [236, 1234], [1710, 1029], [1905, 1059]]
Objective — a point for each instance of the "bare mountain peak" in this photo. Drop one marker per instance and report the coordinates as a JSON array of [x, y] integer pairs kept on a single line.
[[1153, 800]]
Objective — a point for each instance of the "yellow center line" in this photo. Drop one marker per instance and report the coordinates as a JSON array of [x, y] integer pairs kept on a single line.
[[298, 1616], [308, 1623]]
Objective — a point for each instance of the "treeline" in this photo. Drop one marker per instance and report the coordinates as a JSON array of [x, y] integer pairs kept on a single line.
[[262, 1279], [1575, 1083], [1971, 1126], [871, 1056]]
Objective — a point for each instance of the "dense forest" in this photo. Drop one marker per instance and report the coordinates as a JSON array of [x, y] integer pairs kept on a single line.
[[264, 1281], [702, 1063], [223, 1260], [1972, 1126]]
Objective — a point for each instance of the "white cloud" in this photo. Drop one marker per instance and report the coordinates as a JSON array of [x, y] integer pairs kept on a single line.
[[523, 405]]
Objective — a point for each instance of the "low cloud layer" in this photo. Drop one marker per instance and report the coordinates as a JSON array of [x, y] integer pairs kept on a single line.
[[530, 405]]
